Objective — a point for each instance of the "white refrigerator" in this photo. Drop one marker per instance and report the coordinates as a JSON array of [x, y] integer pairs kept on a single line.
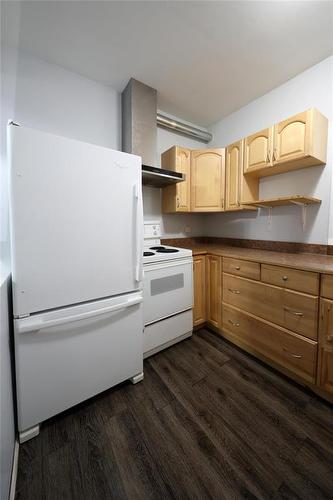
[[76, 237]]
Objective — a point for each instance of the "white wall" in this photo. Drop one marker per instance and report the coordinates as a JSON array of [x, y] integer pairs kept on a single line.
[[313, 88], [10, 14], [172, 225], [55, 100]]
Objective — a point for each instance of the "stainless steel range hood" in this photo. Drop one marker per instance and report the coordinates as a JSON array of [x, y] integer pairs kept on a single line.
[[139, 132]]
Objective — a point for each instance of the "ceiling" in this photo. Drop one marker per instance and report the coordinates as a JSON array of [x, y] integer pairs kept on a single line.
[[206, 59]]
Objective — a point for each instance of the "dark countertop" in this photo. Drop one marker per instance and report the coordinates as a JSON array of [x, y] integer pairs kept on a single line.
[[305, 261]]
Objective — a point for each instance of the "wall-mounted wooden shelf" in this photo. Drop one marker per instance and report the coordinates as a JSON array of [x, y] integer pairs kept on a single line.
[[297, 199], [285, 200]]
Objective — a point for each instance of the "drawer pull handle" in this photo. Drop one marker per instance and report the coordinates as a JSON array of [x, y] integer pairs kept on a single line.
[[291, 311], [234, 291], [237, 268], [233, 323], [297, 356], [285, 278], [329, 338]]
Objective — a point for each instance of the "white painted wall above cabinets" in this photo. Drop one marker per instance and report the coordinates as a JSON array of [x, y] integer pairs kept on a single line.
[[313, 88]]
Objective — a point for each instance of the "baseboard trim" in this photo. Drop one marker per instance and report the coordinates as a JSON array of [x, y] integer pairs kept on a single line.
[[14, 471]]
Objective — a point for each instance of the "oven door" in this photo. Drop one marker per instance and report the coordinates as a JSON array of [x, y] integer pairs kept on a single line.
[[168, 289]]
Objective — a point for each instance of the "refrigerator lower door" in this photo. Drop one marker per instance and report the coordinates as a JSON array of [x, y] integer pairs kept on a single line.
[[66, 356]]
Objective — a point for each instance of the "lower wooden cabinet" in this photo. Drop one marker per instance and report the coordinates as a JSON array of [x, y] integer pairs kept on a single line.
[[199, 290], [292, 352], [325, 358], [295, 311], [287, 328], [213, 289]]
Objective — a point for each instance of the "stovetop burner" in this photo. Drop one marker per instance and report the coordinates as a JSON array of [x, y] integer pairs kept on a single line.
[[148, 254], [167, 250], [159, 247]]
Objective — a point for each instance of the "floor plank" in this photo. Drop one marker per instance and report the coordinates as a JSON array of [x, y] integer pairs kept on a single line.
[[208, 422]]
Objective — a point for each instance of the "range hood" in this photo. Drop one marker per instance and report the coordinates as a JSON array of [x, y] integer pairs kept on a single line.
[[139, 132]]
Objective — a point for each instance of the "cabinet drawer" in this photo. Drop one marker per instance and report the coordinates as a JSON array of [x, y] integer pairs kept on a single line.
[[296, 354], [292, 310], [302, 281], [327, 286], [240, 267]]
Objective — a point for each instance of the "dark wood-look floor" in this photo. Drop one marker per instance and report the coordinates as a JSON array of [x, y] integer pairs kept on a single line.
[[208, 422]]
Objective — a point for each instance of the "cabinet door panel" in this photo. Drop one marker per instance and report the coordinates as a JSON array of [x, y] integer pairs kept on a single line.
[[207, 180], [290, 137], [199, 290], [183, 165], [234, 163], [213, 274], [258, 150], [176, 198], [325, 361]]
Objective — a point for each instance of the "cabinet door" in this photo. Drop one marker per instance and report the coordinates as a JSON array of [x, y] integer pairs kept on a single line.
[[199, 290], [258, 150], [291, 138], [325, 359], [183, 165], [207, 180], [213, 286], [176, 198], [233, 171]]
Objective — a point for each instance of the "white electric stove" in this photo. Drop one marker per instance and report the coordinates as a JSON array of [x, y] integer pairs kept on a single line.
[[168, 291]]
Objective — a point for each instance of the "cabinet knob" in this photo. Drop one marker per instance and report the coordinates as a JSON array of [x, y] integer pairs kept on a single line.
[[329, 338], [285, 278], [237, 268]]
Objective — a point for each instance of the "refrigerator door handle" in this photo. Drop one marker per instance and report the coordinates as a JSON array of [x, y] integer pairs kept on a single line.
[[32, 324], [138, 230]]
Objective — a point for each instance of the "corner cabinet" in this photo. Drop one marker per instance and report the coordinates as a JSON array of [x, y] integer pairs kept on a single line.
[[199, 290], [176, 198], [325, 359], [207, 180]]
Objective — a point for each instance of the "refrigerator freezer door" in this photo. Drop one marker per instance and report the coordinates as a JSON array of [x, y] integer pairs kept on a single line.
[[60, 363], [76, 213]]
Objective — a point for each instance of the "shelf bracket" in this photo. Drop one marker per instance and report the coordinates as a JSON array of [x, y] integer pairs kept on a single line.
[[303, 206]]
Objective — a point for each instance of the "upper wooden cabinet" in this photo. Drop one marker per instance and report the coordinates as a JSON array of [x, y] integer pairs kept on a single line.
[[207, 180], [233, 171], [258, 150], [176, 198], [298, 142], [239, 189]]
